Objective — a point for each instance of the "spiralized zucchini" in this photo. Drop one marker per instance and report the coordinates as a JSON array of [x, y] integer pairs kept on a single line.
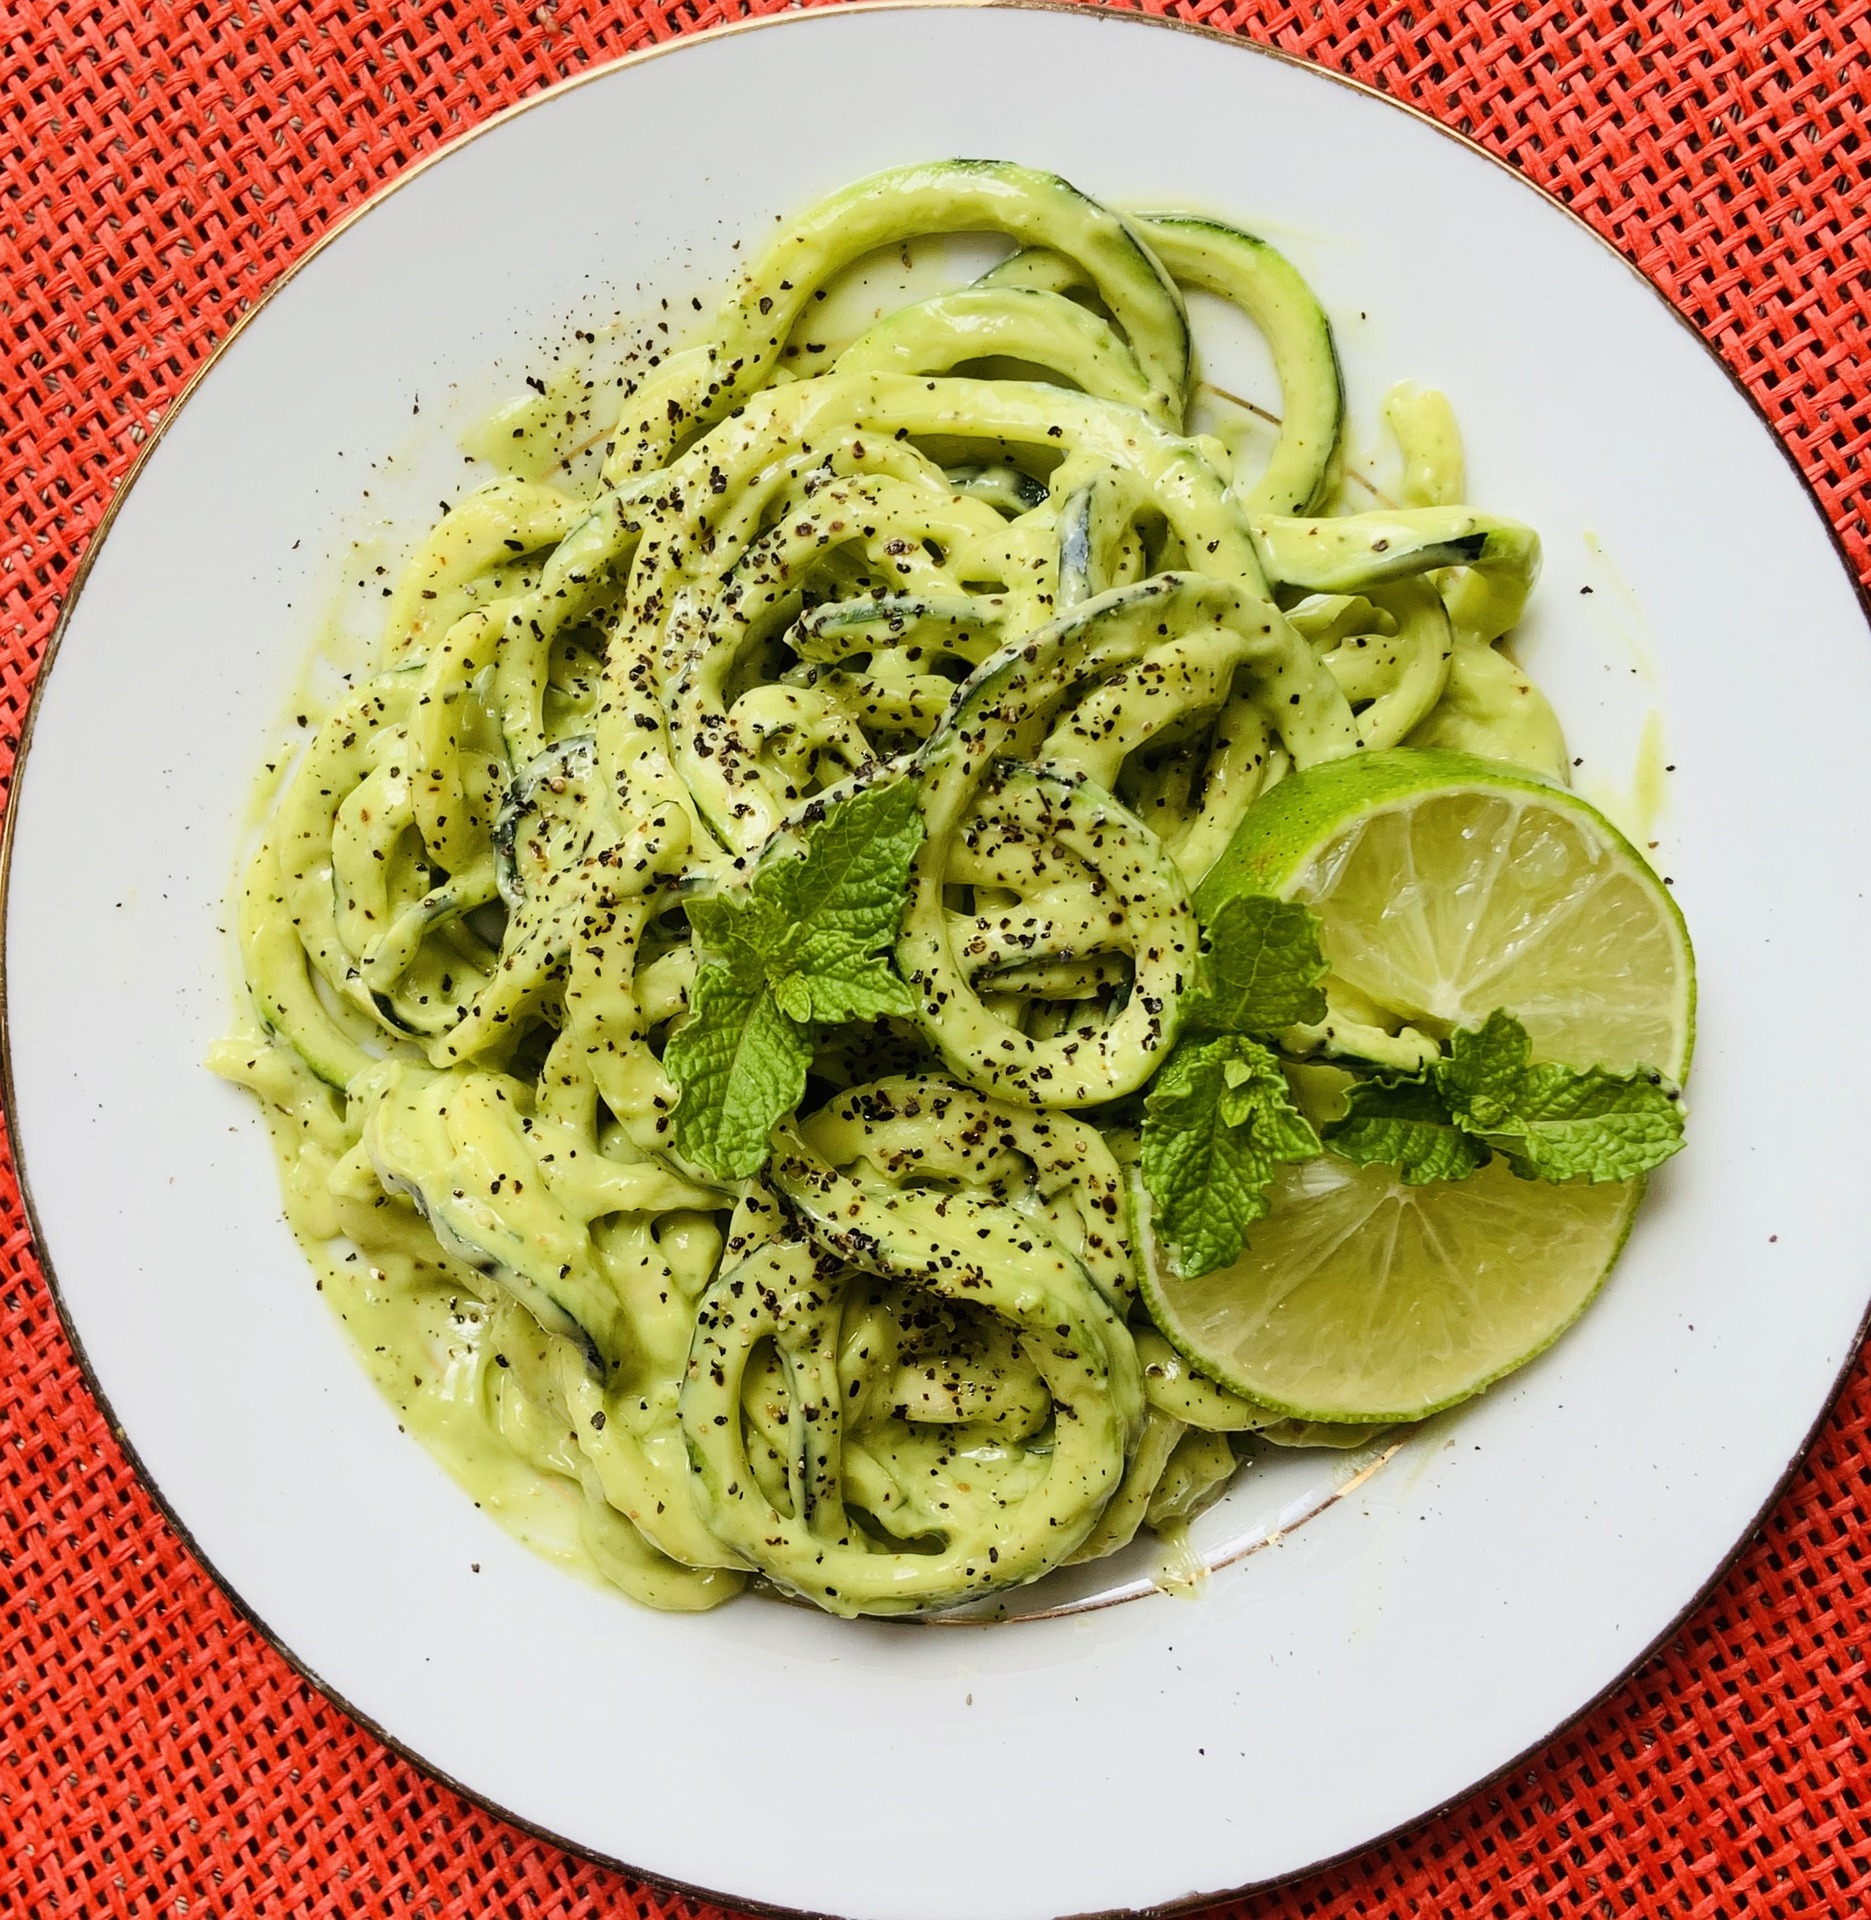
[[979, 549]]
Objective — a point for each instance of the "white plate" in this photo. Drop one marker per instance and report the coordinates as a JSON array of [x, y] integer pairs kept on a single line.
[[1475, 1593]]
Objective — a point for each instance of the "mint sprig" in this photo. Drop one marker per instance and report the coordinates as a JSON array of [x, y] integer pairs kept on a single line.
[[1218, 1124], [1219, 1120], [1260, 968], [802, 946], [1548, 1122]]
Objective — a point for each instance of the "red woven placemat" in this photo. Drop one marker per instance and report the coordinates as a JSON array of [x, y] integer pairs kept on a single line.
[[160, 164]]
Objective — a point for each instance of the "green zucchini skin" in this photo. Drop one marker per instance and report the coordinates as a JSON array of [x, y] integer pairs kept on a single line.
[[1303, 471], [1354, 553], [445, 1143]]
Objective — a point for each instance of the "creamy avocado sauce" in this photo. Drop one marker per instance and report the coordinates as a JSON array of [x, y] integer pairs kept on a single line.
[[1633, 790], [956, 535], [426, 1342]]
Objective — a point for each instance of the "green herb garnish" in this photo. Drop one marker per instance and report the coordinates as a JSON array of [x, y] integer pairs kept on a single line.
[[804, 945], [1547, 1122]]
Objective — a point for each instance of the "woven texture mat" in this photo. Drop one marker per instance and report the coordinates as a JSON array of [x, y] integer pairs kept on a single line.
[[160, 164]]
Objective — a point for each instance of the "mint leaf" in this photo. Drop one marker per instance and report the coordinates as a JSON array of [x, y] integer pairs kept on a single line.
[[1548, 1122], [1486, 1071], [1551, 1122], [805, 943], [1218, 1123], [1593, 1126], [843, 904], [816, 926], [793, 997], [1260, 967], [1404, 1124], [834, 983], [740, 1062], [738, 926], [1255, 1096], [851, 878]]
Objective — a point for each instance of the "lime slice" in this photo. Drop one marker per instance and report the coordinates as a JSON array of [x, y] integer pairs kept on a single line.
[[1359, 1299], [1446, 887]]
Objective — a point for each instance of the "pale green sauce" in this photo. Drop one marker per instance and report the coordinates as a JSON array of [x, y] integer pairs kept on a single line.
[[1650, 781], [1180, 1571], [422, 1345], [426, 1346], [1636, 800], [423, 1348]]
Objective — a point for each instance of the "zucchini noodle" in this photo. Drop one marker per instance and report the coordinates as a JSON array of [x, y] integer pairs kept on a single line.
[[980, 549]]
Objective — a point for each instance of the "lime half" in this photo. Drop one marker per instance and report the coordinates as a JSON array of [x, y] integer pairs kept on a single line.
[[1360, 1299], [1446, 887]]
